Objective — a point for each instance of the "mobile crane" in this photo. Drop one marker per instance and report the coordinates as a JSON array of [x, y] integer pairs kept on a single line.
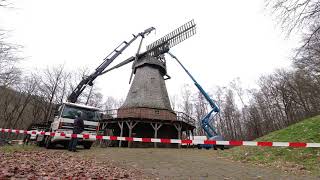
[[65, 114], [107, 61], [211, 131]]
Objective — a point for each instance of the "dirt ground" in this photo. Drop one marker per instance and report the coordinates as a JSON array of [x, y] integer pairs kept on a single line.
[[186, 164], [60, 164]]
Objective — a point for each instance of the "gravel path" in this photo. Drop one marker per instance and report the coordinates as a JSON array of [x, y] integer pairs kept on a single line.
[[189, 164]]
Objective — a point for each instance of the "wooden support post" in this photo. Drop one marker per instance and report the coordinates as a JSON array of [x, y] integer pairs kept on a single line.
[[156, 127], [130, 125], [103, 127], [188, 136], [17, 136], [178, 127], [121, 131], [9, 136]]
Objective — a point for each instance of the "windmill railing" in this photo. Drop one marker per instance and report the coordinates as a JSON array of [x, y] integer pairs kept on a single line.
[[181, 116], [113, 114], [110, 114]]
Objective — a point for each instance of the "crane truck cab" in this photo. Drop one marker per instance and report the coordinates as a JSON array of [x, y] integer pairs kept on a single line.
[[63, 123]]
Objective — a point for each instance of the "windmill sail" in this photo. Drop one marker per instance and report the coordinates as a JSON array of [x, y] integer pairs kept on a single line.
[[180, 34]]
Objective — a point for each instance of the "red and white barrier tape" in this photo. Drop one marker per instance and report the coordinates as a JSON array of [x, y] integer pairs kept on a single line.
[[161, 140]]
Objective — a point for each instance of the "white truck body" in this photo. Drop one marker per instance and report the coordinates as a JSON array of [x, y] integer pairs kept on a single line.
[[67, 126], [64, 120], [196, 140], [199, 139]]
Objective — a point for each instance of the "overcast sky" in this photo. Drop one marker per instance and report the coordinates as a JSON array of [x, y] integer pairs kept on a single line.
[[234, 38]]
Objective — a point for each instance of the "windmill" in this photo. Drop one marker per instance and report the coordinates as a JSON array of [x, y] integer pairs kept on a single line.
[[147, 109]]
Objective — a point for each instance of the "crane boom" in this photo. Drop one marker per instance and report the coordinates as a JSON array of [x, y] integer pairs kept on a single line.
[[88, 80], [205, 122]]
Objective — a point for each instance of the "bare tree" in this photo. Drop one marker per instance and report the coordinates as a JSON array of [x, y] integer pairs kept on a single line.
[[52, 81], [298, 15], [93, 97], [112, 103], [16, 102], [173, 101], [201, 110], [293, 14], [309, 57], [9, 72], [4, 3], [221, 123], [186, 104], [9, 79], [26, 90]]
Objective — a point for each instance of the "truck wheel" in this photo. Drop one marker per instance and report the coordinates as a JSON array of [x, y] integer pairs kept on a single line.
[[65, 145], [87, 145], [26, 139], [199, 147], [48, 143], [40, 143]]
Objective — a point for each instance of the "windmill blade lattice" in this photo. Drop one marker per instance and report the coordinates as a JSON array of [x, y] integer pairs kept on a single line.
[[180, 34]]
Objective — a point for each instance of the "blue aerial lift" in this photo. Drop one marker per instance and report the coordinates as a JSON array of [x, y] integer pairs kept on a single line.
[[211, 131]]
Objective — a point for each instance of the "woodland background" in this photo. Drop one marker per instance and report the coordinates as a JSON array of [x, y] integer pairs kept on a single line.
[[282, 98]]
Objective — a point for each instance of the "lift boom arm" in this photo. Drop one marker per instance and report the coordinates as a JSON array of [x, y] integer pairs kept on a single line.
[[205, 122], [88, 80]]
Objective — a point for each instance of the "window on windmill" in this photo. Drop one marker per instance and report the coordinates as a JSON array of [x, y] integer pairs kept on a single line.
[[157, 111], [152, 79]]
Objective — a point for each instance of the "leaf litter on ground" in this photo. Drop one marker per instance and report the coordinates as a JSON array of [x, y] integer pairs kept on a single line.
[[60, 164]]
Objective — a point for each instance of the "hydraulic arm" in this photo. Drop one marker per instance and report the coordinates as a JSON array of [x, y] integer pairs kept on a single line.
[[205, 122], [88, 80]]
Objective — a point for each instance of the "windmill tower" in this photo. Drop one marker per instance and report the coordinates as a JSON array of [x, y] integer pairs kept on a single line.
[[148, 89], [146, 111]]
